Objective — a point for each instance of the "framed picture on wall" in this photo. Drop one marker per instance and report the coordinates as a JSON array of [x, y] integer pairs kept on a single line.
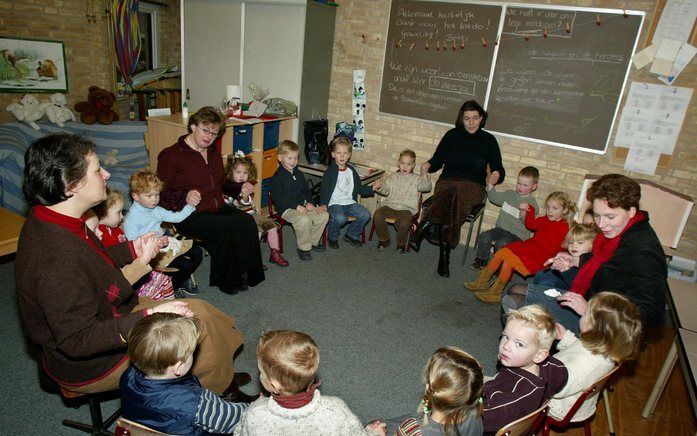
[[32, 65]]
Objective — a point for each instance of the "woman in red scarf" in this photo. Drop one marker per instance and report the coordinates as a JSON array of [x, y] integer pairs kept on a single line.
[[627, 258]]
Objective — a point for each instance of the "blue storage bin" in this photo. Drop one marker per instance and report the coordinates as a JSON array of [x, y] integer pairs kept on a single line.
[[271, 134], [265, 188], [242, 139]]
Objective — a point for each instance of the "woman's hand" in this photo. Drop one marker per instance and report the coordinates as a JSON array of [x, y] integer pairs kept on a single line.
[[493, 178], [310, 207], [561, 262], [146, 243], [193, 198], [573, 301], [301, 208], [425, 167], [247, 189], [177, 306]]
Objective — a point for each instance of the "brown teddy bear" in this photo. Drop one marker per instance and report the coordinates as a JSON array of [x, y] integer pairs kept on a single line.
[[97, 107]]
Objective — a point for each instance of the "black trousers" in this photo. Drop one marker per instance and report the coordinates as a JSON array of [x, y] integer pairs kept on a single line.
[[186, 264]]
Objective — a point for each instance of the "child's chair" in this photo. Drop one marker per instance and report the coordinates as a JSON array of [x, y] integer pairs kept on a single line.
[[274, 215], [412, 228], [125, 427], [590, 394], [525, 425]]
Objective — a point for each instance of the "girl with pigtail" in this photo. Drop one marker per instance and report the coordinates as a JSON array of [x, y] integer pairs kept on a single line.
[[451, 403], [241, 175]]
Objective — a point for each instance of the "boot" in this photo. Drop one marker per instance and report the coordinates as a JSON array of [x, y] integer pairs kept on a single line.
[[493, 294], [419, 234], [277, 258], [481, 283], [444, 258]]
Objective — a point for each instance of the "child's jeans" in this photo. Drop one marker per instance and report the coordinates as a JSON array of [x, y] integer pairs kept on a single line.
[[555, 279], [339, 215], [497, 236]]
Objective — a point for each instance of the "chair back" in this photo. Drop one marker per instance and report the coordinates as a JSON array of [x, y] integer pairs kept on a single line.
[[269, 203], [125, 427], [525, 425], [590, 394]]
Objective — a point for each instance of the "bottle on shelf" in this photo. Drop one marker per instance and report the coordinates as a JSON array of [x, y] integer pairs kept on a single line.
[[185, 110]]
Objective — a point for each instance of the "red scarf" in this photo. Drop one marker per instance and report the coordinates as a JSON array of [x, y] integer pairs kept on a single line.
[[73, 225], [298, 400], [603, 250]]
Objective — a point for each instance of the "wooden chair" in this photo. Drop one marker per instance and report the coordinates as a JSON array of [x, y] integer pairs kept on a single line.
[[414, 222], [125, 427], [525, 425], [476, 214], [590, 394]]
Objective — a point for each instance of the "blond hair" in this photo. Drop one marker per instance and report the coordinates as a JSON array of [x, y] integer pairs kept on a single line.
[[112, 197], [539, 319], [289, 357], [143, 181], [161, 340], [340, 140], [407, 152], [566, 203], [236, 161], [580, 232], [614, 326], [288, 146], [454, 382]]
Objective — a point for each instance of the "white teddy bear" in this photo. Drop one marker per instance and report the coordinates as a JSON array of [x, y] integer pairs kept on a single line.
[[56, 111], [28, 110]]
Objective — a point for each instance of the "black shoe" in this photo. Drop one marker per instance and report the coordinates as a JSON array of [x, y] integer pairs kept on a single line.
[[419, 234], [333, 244], [382, 246], [401, 249], [188, 288], [354, 242], [478, 264], [319, 248], [304, 255], [235, 289]]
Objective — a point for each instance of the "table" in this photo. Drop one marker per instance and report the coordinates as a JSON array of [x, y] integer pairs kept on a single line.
[[683, 302], [368, 174], [10, 226]]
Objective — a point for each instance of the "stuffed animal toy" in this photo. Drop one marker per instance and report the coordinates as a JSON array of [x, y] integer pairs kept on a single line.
[[97, 107], [111, 159], [27, 110], [56, 111]]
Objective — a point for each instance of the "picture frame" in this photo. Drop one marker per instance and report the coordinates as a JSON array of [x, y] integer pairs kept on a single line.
[[32, 66]]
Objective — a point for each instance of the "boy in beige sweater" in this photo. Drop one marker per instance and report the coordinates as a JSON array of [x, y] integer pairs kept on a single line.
[[402, 190]]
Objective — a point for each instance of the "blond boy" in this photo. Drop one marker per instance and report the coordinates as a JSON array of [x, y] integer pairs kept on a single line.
[[529, 375], [157, 390], [288, 362], [292, 199]]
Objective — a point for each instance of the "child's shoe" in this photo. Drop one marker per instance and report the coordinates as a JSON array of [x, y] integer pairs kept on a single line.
[[333, 244], [481, 283], [382, 246], [320, 248], [187, 288], [401, 249], [354, 242], [478, 264], [493, 294], [277, 258], [304, 255]]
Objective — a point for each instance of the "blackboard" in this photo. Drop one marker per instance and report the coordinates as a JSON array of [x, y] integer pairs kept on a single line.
[[563, 89], [435, 58], [557, 73]]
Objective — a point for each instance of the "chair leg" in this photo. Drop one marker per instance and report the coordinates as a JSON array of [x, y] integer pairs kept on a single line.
[[99, 427], [372, 231], [467, 244], [608, 413], [587, 427], [363, 235], [546, 428]]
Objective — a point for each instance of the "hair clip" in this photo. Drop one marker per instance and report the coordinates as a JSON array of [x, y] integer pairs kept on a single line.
[[480, 400], [240, 154], [425, 407]]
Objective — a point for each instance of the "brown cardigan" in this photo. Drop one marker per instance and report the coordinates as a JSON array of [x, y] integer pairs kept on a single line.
[[72, 303]]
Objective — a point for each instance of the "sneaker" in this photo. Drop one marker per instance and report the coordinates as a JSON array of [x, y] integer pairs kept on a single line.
[[333, 244], [320, 248], [354, 242], [382, 246], [277, 258], [188, 288], [478, 264], [401, 249], [304, 255]]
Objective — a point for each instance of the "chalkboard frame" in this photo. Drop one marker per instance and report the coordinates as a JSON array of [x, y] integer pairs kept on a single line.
[[622, 12]]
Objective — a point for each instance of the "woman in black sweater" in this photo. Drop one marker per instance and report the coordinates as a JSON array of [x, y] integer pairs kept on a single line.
[[464, 154]]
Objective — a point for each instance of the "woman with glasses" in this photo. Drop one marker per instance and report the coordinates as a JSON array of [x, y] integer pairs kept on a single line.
[[463, 154], [229, 235]]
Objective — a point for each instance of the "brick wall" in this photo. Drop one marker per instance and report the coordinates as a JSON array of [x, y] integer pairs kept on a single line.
[[86, 45], [361, 29]]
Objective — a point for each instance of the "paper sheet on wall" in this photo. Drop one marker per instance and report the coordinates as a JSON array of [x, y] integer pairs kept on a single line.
[[665, 56], [645, 57], [685, 55], [642, 158], [653, 116], [677, 20]]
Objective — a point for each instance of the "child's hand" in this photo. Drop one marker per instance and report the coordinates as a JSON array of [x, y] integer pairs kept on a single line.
[[301, 209], [493, 178], [162, 242], [377, 185], [561, 262], [310, 207], [377, 428], [193, 198], [425, 167], [322, 208], [573, 301], [560, 331], [524, 207], [425, 175], [146, 248], [247, 189]]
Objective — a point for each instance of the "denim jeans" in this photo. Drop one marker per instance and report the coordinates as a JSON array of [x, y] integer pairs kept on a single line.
[[339, 215], [566, 317], [555, 279], [496, 236]]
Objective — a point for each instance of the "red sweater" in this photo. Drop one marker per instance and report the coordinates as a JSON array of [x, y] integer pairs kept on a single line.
[[544, 243], [112, 235]]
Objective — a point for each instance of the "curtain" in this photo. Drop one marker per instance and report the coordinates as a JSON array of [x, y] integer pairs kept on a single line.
[[124, 16]]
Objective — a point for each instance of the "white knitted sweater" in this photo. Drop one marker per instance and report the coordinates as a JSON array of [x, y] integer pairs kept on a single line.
[[326, 416]]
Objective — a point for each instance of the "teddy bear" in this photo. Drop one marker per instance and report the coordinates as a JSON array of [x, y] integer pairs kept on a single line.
[[56, 111], [28, 110], [97, 107]]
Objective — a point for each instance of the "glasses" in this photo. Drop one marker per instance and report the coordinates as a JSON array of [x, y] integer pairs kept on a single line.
[[207, 132]]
